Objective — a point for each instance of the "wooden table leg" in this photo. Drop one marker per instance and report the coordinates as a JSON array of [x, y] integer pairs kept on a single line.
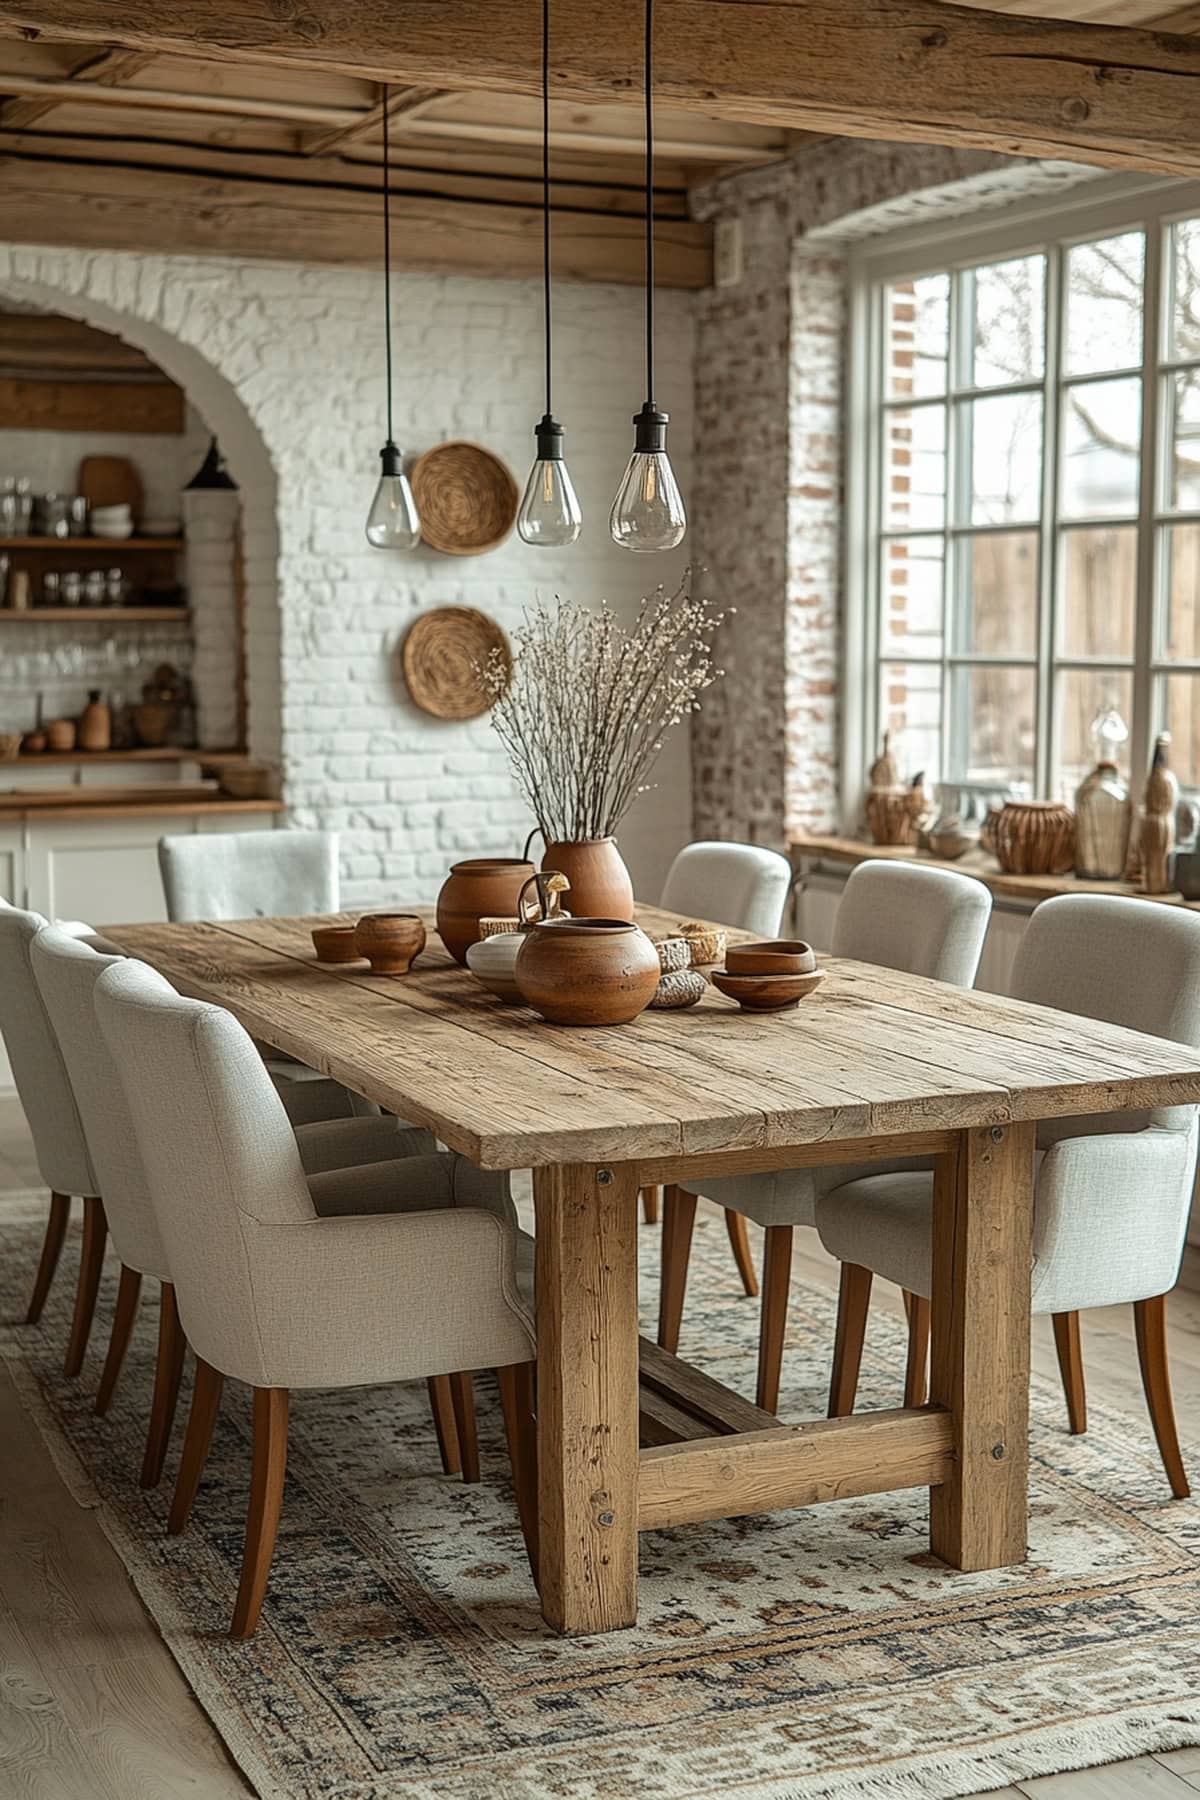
[[587, 1395], [982, 1228]]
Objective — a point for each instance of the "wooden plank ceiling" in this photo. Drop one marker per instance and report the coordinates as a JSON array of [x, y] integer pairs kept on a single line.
[[276, 151]]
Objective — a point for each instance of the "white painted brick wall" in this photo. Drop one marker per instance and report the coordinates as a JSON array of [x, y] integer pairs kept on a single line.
[[284, 362]]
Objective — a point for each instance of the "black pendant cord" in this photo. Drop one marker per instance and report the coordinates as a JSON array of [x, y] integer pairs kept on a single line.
[[649, 80], [546, 188], [387, 257]]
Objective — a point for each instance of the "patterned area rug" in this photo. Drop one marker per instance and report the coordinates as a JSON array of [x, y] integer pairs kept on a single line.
[[812, 1655]]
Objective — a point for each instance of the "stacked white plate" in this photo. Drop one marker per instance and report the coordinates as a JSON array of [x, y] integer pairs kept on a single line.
[[111, 521]]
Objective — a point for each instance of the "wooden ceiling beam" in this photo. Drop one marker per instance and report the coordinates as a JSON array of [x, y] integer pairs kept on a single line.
[[99, 205], [896, 69], [407, 104], [108, 70]]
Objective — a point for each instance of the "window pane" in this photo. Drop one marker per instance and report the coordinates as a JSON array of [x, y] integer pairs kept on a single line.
[[1006, 309], [1098, 572], [1185, 288], [1104, 304], [917, 315], [1181, 703], [910, 708], [993, 729], [1102, 423], [1081, 694], [911, 596], [1179, 548], [1003, 436], [997, 593], [914, 470], [1183, 406]]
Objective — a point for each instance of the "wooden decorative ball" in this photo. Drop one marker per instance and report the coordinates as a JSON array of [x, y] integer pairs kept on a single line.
[[467, 499], [442, 655]]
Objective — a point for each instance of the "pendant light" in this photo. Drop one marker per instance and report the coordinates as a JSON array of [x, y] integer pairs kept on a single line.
[[549, 512], [648, 512], [392, 523]]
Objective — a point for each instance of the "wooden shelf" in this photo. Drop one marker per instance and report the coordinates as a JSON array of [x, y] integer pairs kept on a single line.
[[131, 614], [15, 805], [212, 759], [91, 543]]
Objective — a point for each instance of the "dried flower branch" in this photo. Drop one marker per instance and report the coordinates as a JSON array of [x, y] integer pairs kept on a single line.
[[589, 702]]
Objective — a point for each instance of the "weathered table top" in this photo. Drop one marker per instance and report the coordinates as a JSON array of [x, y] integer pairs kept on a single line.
[[871, 1053]]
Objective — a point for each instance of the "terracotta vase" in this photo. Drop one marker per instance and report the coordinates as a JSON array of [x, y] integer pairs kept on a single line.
[[587, 971], [600, 883], [485, 887], [390, 941]]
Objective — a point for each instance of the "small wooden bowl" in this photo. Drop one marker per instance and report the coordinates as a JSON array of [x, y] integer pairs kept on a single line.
[[778, 956], [391, 942], [335, 944], [766, 993]]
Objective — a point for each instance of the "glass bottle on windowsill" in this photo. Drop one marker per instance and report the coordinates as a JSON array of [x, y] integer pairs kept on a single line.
[[1103, 810]]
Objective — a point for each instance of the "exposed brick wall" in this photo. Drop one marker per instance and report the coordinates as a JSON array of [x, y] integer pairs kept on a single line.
[[285, 364]]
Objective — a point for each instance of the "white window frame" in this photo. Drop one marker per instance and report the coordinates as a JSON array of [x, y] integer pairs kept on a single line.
[[1038, 226]]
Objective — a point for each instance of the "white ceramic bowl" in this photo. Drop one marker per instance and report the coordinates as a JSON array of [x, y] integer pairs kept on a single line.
[[492, 961]]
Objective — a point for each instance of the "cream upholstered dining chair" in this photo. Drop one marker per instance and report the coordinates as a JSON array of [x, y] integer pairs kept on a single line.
[[59, 1143], [257, 875], [747, 887], [1113, 1191], [906, 916], [402, 1270], [66, 970]]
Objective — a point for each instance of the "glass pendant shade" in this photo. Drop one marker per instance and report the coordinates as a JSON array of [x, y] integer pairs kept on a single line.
[[392, 523], [648, 512], [550, 514]]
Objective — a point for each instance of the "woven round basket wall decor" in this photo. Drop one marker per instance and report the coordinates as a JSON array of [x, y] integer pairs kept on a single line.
[[441, 655], [466, 497]]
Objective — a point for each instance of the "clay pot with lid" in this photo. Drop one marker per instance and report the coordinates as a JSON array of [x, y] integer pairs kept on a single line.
[[483, 887], [587, 971]]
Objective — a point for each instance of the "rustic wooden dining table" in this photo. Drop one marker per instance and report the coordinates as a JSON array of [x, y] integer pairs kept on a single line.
[[875, 1064]]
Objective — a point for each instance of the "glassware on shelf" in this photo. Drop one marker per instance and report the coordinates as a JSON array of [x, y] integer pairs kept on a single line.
[[55, 515], [16, 506], [94, 588], [116, 588], [77, 515], [71, 587], [51, 588], [1103, 809]]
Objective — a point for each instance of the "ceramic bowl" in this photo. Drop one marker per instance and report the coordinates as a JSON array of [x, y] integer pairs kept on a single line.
[[391, 942], [779, 956], [335, 944], [492, 960], [766, 993]]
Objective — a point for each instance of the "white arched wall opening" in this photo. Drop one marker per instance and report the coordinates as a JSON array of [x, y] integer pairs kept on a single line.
[[81, 287]]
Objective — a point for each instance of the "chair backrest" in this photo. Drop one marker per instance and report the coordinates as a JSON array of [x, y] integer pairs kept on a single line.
[[66, 971], [730, 884], [38, 1066], [219, 1154], [909, 916], [1130, 962], [249, 874]]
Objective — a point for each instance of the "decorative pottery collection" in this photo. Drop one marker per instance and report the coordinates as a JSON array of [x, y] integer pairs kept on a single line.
[[601, 887], [479, 888], [779, 956], [493, 962], [1035, 837], [586, 971], [767, 993], [335, 944], [389, 941]]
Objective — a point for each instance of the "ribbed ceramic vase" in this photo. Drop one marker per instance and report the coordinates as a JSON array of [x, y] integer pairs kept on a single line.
[[600, 883]]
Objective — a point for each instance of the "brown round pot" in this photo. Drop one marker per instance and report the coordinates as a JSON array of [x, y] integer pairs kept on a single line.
[[389, 941], [781, 956], [60, 734], [1035, 837], [587, 971], [600, 884], [483, 888], [335, 943]]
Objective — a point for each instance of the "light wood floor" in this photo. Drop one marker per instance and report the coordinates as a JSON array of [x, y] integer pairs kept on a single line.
[[93, 1707]]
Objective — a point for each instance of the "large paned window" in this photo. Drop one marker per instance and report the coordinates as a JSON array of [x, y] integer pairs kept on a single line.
[[1025, 541]]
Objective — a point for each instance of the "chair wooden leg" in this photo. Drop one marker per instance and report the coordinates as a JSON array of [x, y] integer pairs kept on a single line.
[[441, 1405], [1070, 1365], [167, 1376], [739, 1243], [1150, 1321], [52, 1243], [118, 1341], [916, 1372], [777, 1282], [520, 1428], [651, 1199], [91, 1261], [206, 1399], [854, 1299], [462, 1393], [679, 1217], [266, 1498]]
